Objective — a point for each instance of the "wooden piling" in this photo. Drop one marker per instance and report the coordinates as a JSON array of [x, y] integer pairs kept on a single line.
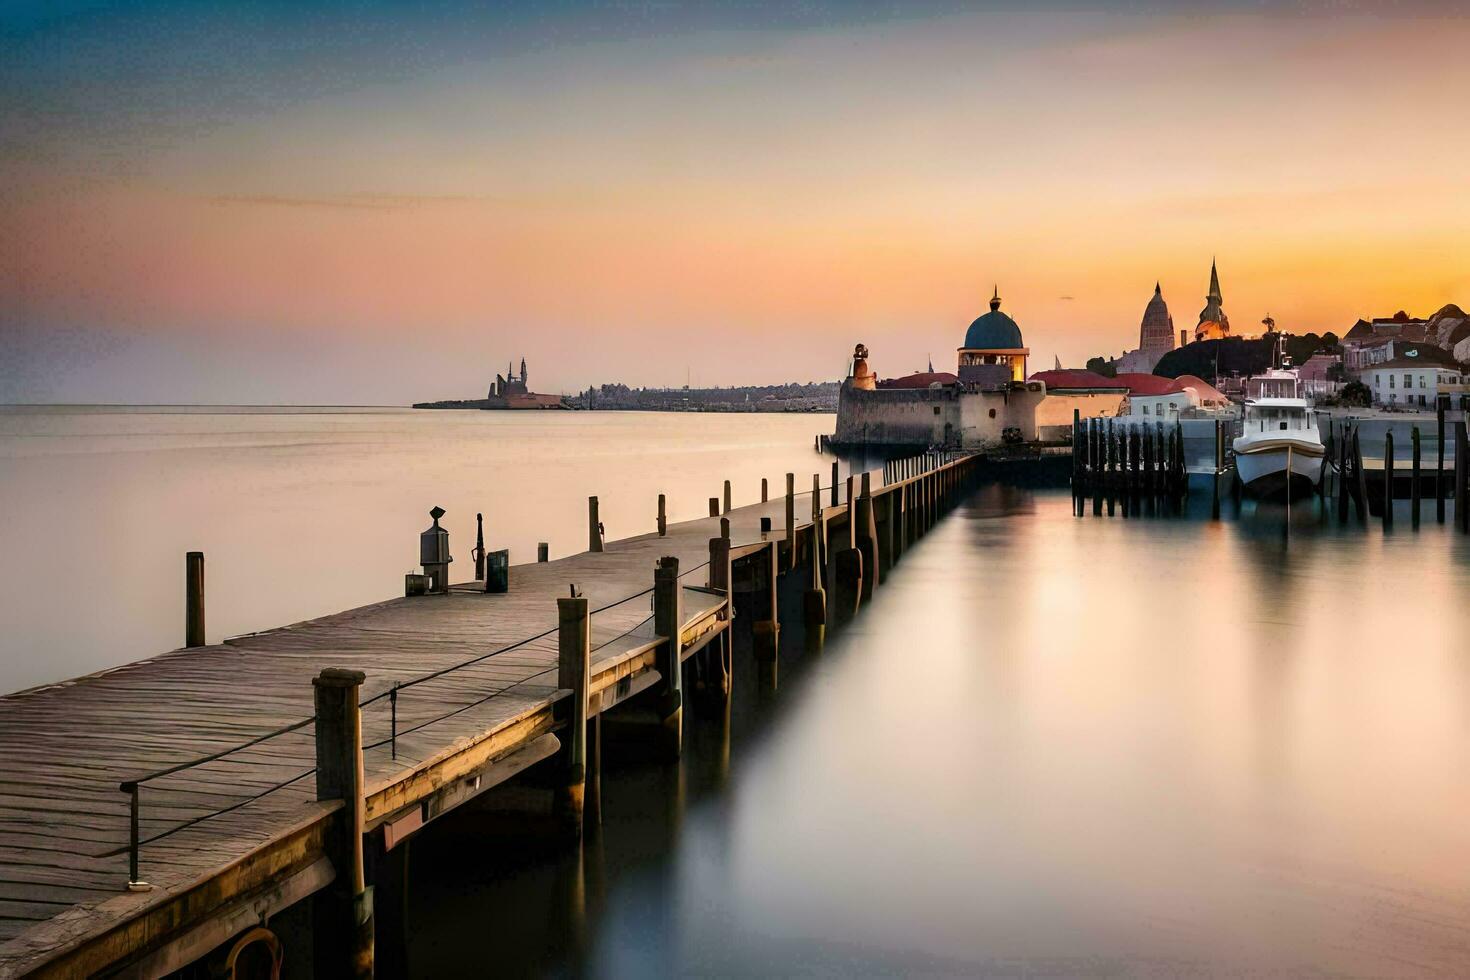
[[765, 490], [1362, 477], [1342, 474], [342, 920], [573, 671], [594, 526], [718, 679], [543, 551], [668, 619], [867, 538], [791, 518], [1414, 492], [766, 631], [834, 483], [663, 516], [726, 498], [1462, 474], [479, 547], [714, 506], [1388, 480], [1440, 403], [194, 599], [847, 590]]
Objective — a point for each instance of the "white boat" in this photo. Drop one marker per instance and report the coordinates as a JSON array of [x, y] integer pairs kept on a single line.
[[1279, 451]]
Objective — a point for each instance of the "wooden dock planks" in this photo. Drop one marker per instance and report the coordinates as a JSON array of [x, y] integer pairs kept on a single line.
[[65, 748]]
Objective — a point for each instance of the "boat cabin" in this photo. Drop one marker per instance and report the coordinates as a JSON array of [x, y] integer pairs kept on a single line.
[[1278, 415]]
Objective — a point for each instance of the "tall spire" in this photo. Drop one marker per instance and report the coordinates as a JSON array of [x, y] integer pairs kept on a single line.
[[1214, 283], [995, 299]]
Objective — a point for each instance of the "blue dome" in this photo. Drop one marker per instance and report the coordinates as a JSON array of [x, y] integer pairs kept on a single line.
[[993, 330]]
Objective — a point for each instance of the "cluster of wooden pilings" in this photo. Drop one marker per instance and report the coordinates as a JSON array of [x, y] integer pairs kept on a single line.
[[1134, 469], [1348, 481]]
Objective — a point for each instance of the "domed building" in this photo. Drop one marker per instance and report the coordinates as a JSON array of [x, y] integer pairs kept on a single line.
[[994, 352], [1155, 337], [988, 404]]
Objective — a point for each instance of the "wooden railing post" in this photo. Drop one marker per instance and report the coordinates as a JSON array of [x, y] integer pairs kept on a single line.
[[663, 516], [867, 536], [668, 622], [343, 925], [718, 672], [834, 483], [727, 498], [791, 519], [594, 526], [765, 490], [573, 673], [766, 632], [194, 599]]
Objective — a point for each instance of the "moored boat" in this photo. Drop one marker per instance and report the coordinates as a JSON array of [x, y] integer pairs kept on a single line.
[[1279, 451]]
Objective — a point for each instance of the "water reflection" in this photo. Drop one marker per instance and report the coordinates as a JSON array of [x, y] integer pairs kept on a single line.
[[1050, 746]]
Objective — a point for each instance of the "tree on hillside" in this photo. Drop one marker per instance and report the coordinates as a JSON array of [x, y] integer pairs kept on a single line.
[[1355, 394], [1103, 367], [1208, 358]]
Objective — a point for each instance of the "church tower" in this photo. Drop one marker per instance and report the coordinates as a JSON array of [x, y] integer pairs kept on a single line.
[[1156, 330], [1213, 323]]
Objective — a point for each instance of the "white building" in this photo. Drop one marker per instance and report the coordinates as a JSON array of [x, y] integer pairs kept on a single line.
[[1411, 381]]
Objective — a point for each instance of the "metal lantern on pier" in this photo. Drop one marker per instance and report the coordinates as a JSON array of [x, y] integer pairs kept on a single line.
[[434, 553]]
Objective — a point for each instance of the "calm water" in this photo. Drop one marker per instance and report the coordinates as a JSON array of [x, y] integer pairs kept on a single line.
[[304, 512], [1051, 748]]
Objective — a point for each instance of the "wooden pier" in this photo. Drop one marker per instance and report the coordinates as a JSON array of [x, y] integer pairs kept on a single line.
[[160, 814]]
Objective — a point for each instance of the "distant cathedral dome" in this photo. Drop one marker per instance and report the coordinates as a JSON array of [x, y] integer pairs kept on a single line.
[[993, 330], [1156, 331]]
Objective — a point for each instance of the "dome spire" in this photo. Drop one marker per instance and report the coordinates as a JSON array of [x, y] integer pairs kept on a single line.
[[995, 298], [1214, 293]]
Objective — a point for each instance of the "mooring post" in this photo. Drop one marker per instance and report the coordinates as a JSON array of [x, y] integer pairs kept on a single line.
[[847, 589], [834, 483], [867, 538], [1342, 473], [716, 679], [1388, 479], [765, 490], [594, 526], [194, 599], [766, 632], [1362, 476], [1111, 475], [1076, 461], [663, 515], [727, 497], [1440, 403], [1462, 475], [791, 519], [342, 924], [543, 551], [1095, 465], [668, 623], [1414, 492], [573, 672], [480, 547]]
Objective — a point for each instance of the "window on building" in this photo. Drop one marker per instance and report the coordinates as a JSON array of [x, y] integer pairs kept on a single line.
[[1408, 381], [1145, 412], [1173, 407], [1390, 381], [1377, 381], [936, 412], [1421, 384]]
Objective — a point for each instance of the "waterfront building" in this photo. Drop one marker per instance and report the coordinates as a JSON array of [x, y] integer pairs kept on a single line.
[[987, 402], [1370, 342], [1213, 323], [1413, 379], [1090, 394], [993, 352], [1321, 375], [1155, 337], [1167, 399]]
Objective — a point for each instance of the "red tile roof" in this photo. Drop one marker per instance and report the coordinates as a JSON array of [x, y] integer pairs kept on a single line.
[[1075, 378]]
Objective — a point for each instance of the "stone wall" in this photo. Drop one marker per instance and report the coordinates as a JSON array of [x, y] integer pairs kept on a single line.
[[941, 416]]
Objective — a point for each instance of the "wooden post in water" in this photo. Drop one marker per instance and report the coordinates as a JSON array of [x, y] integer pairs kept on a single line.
[[1462, 473], [1110, 474], [663, 515], [479, 547], [573, 672], [1095, 471], [766, 632], [718, 687], [342, 920], [668, 622], [543, 551], [1388, 480], [814, 602], [867, 538], [1219, 466], [765, 490], [194, 599], [791, 519], [1076, 461], [727, 498], [834, 483], [1414, 492], [1362, 477], [594, 526], [1440, 402], [714, 506]]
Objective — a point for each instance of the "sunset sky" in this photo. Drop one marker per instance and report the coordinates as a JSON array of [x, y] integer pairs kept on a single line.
[[362, 203]]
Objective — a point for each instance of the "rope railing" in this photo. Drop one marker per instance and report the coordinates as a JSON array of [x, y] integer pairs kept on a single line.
[[132, 787]]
